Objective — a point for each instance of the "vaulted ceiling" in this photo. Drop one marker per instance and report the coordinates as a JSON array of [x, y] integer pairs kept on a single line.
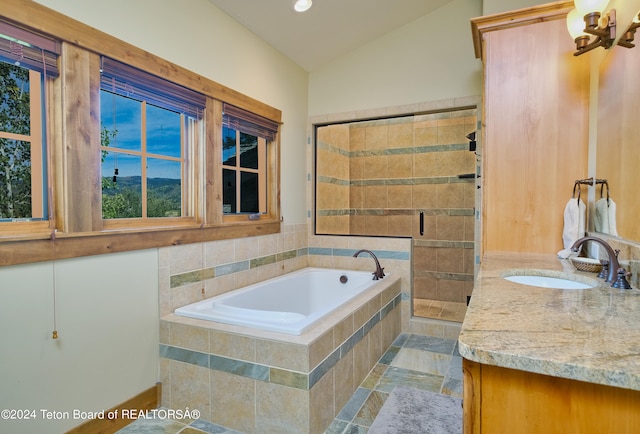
[[329, 29]]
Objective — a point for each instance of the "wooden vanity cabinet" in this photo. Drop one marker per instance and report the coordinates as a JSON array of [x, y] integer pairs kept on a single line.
[[508, 401], [535, 141], [535, 121]]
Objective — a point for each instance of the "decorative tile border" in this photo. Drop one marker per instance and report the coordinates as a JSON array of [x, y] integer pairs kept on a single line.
[[192, 277], [234, 267], [463, 277], [393, 151], [444, 243], [221, 270], [270, 374], [406, 181], [396, 211], [381, 254]]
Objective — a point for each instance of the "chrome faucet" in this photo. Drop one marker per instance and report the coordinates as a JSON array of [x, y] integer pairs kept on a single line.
[[613, 258], [379, 273]]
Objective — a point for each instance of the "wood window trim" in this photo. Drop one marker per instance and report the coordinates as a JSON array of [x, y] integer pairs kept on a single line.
[[74, 161], [65, 246]]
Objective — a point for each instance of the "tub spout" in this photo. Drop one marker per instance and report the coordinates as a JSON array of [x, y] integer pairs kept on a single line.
[[613, 258], [379, 273]]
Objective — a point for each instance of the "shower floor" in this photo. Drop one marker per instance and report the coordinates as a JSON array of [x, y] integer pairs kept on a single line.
[[436, 309]]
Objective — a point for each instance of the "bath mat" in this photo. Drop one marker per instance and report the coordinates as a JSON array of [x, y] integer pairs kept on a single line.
[[414, 411]]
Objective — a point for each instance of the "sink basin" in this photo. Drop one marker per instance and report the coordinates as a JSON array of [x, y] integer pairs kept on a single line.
[[549, 279]]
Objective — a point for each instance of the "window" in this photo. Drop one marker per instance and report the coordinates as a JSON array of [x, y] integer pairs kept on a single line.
[[149, 134], [147, 148], [244, 178], [26, 60], [245, 138]]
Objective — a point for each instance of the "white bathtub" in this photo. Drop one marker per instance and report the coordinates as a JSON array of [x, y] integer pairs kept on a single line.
[[288, 304]]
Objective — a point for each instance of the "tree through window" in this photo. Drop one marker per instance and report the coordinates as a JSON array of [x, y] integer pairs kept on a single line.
[[27, 59]]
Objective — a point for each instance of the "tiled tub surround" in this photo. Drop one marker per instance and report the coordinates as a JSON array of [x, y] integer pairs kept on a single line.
[[189, 273], [418, 361], [193, 272], [257, 381]]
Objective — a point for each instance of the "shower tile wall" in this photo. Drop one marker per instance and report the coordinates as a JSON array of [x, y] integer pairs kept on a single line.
[[333, 186], [375, 177]]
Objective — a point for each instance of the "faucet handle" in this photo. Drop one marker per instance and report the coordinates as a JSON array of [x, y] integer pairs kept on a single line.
[[621, 282]]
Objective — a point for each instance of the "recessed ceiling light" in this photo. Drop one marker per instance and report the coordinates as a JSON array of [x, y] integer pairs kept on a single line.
[[302, 5]]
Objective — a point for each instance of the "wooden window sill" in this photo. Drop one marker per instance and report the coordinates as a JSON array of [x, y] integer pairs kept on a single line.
[[43, 247]]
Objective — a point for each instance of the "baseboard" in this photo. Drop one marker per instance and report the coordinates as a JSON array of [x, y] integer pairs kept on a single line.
[[145, 400]]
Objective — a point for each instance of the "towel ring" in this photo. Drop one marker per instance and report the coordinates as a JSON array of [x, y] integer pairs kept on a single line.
[[577, 184], [603, 183]]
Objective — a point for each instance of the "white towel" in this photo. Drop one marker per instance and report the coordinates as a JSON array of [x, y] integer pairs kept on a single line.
[[604, 218], [574, 222]]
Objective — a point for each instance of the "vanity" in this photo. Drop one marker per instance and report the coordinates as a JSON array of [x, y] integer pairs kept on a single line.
[[545, 360], [550, 118]]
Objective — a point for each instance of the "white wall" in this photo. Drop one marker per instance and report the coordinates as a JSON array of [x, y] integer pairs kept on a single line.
[[429, 59], [490, 7], [106, 312]]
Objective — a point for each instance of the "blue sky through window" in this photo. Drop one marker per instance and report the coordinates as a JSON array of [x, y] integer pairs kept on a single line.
[[124, 115], [163, 131]]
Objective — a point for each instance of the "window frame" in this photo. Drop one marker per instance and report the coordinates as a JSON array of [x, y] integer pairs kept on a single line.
[[261, 171], [33, 226], [76, 227], [190, 143], [268, 131]]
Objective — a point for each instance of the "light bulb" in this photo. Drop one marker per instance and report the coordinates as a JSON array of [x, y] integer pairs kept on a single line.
[[585, 7], [302, 5], [575, 24]]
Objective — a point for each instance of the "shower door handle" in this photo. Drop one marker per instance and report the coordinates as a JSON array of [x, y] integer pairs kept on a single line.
[[421, 222]]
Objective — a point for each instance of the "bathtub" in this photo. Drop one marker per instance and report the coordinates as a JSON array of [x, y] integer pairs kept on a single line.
[[289, 304]]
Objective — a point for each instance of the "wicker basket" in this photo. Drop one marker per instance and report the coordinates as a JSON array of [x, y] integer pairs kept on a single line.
[[587, 264]]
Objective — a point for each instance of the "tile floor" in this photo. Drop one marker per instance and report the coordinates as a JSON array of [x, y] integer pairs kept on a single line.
[[424, 362]]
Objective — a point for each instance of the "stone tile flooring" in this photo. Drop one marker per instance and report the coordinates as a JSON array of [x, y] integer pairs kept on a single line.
[[423, 362]]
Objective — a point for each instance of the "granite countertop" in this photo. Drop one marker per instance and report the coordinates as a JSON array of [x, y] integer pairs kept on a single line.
[[590, 335]]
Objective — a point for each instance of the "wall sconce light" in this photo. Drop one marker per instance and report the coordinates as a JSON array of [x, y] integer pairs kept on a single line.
[[587, 20], [627, 39], [302, 5]]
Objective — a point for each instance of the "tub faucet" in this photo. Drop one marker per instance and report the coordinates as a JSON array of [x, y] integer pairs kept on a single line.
[[613, 258], [379, 273]]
